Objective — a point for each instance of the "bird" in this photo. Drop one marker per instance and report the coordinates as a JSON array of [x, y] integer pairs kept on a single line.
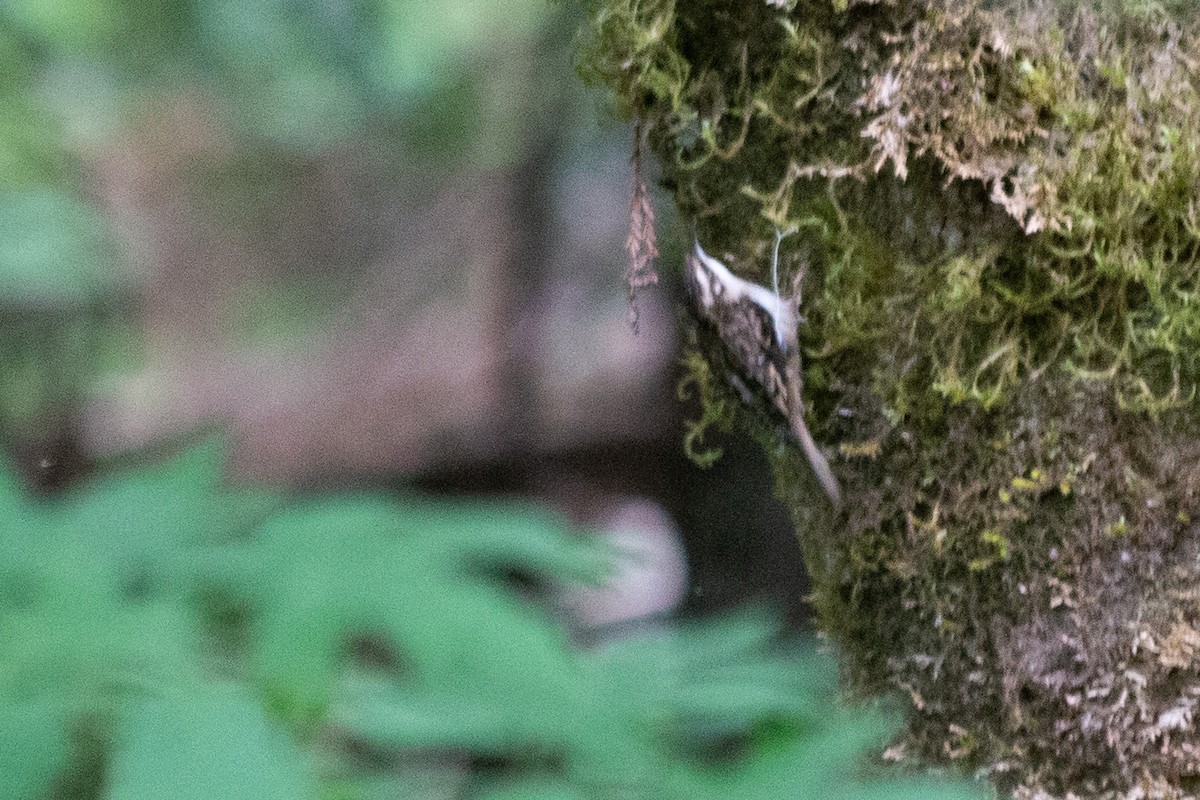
[[758, 327]]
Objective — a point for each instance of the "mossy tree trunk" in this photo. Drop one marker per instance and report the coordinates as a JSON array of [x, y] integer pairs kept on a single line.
[[998, 208]]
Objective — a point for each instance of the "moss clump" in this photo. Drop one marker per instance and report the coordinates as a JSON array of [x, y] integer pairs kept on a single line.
[[1000, 222]]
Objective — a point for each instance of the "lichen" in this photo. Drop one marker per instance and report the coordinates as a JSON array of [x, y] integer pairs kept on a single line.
[[1000, 238]]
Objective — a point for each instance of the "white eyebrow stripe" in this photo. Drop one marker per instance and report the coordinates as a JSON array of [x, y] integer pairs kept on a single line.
[[781, 311]]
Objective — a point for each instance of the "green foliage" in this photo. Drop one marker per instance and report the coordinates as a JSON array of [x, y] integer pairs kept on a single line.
[[281, 84], [54, 251], [300, 78], [212, 741], [231, 108], [165, 636]]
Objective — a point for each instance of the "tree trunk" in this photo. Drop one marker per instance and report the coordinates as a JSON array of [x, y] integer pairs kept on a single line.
[[998, 247]]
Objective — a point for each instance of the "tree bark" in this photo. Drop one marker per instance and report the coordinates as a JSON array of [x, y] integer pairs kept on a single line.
[[1000, 249]]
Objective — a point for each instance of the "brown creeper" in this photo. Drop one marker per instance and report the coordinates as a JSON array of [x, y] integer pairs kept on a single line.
[[758, 328]]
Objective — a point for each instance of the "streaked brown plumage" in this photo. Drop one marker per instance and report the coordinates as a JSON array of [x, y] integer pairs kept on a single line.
[[758, 328]]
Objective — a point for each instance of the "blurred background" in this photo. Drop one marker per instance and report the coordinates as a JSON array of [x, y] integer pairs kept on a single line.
[[316, 371], [382, 243]]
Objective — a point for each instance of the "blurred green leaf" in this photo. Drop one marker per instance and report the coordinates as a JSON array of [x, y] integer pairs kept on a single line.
[[72, 24], [54, 251], [422, 44], [419, 720], [156, 517], [30, 152], [533, 789], [101, 624], [34, 747], [87, 648], [364, 566], [213, 742], [467, 537]]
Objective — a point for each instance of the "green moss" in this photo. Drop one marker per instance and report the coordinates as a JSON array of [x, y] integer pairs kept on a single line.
[[1059, 129], [1000, 245], [716, 409]]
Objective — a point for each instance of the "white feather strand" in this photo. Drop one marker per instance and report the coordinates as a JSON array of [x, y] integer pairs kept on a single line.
[[781, 310]]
